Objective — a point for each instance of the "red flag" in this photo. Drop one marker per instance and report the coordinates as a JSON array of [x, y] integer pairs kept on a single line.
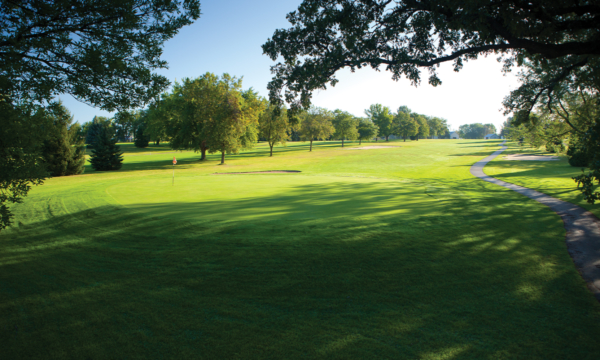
[[174, 160]]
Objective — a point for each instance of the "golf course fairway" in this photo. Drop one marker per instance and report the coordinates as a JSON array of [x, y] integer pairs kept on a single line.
[[390, 253]]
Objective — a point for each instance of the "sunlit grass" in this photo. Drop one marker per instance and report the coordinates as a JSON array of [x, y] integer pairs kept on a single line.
[[554, 178], [385, 253]]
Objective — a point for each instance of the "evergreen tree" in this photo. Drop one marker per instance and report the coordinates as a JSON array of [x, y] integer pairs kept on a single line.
[[63, 149], [141, 139], [106, 155], [95, 128]]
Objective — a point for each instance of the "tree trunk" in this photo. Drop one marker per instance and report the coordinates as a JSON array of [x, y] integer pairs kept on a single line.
[[271, 149], [342, 142], [386, 137], [222, 157], [359, 141], [405, 139], [417, 137], [203, 151], [310, 145]]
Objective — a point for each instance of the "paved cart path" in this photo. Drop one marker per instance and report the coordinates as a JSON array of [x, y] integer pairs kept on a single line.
[[583, 227]]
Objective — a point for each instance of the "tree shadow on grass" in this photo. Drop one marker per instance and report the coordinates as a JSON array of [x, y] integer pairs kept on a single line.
[[463, 277], [137, 162]]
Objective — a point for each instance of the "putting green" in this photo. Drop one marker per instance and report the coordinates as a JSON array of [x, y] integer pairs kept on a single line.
[[267, 197]]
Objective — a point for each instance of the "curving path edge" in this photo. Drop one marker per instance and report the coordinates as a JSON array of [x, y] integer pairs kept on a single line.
[[583, 227]]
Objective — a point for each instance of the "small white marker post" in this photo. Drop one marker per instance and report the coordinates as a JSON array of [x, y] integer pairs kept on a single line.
[[174, 162]]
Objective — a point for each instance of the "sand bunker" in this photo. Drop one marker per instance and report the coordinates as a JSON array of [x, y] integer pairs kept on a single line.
[[260, 172], [529, 157], [371, 147]]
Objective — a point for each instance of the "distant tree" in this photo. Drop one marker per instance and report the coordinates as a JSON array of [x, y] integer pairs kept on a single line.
[[209, 114], [155, 124], [383, 118], [366, 130], [63, 149], [404, 109], [423, 127], [437, 126], [232, 118], [106, 155], [345, 125], [273, 126], [406, 125], [476, 130], [141, 139], [316, 125], [124, 124], [253, 106]]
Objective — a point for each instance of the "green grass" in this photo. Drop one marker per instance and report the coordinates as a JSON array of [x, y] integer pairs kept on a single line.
[[554, 178], [384, 253]]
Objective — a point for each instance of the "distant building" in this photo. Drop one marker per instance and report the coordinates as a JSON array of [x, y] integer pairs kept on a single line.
[[454, 135], [491, 137]]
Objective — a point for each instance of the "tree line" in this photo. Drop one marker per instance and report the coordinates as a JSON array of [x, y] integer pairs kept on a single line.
[[212, 114]]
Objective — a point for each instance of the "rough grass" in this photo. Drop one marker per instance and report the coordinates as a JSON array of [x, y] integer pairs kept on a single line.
[[383, 253]]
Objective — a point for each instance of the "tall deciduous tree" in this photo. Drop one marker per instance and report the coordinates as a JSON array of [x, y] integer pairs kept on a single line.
[[406, 125], [423, 127], [437, 127], [63, 149], [316, 124], [345, 125], [231, 118], [383, 118], [273, 126], [366, 130]]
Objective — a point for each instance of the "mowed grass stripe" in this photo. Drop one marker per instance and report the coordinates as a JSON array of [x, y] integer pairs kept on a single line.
[[384, 253]]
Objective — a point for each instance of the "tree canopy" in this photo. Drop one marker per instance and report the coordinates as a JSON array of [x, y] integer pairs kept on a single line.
[[366, 130], [476, 131], [273, 126], [101, 52], [382, 117], [405, 35], [345, 125], [316, 124], [406, 126]]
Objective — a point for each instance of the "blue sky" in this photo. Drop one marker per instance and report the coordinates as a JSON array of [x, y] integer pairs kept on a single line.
[[228, 37]]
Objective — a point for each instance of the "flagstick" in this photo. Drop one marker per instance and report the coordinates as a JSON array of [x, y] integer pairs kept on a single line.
[[173, 175]]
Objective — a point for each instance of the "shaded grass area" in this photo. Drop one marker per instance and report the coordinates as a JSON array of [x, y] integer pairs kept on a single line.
[[381, 255]]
